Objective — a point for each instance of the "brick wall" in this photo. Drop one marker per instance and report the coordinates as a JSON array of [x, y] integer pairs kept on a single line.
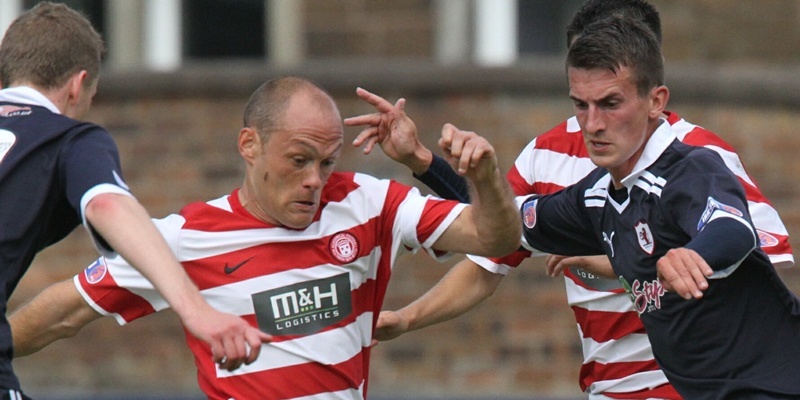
[[177, 132]]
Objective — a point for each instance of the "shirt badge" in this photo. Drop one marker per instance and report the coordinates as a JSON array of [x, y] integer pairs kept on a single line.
[[644, 236], [343, 247]]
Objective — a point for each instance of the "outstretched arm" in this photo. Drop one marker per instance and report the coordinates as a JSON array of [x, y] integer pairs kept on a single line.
[[493, 209], [56, 313], [462, 288], [126, 226]]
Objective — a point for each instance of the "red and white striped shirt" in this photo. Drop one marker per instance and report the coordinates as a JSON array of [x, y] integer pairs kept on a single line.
[[317, 290], [618, 362]]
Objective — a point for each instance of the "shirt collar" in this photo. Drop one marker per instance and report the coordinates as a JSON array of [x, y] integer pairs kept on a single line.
[[658, 143], [27, 95]]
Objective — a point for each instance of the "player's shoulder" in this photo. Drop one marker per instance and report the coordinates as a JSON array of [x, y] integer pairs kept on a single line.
[[695, 135]]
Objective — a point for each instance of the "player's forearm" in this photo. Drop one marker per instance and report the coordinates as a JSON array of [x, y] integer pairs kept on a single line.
[[127, 227], [496, 216], [56, 313], [462, 288]]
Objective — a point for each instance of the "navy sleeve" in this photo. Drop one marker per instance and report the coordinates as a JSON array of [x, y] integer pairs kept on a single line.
[[559, 223], [723, 243], [709, 205], [90, 159], [441, 178]]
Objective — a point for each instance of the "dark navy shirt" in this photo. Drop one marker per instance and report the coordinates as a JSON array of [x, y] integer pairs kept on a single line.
[[742, 339], [50, 167]]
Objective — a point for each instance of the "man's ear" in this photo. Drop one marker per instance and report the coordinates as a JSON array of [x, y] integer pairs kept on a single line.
[[76, 85], [249, 143], [659, 97]]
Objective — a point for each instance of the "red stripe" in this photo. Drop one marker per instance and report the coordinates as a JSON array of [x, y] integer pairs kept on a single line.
[[433, 213], [561, 141], [518, 183], [700, 137], [592, 372], [603, 326], [514, 259], [108, 295], [282, 383]]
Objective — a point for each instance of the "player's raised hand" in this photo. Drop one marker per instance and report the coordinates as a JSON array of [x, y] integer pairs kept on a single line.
[[233, 341], [468, 153], [683, 271], [392, 130]]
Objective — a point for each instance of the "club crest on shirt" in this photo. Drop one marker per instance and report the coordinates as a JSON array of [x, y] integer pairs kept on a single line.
[[96, 272], [712, 206], [766, 240], [343, 247], [529, 214], [644, 236]]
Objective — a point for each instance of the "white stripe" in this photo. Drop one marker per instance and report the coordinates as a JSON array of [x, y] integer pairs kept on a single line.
[[650, 183], [595, 203], [733, 163], [766, 218], [573, 125], [634, 347], [490, 265], [595, 300], [570, 168], [347, 394], [329, 347], [682, 128], [631, 383]]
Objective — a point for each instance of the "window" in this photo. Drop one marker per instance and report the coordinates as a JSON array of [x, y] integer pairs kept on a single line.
[[215, 29], [543, 26]]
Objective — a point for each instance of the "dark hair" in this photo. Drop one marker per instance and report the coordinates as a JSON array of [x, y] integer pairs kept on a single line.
[[595, 10], [47, 44], [267, 105], [616, 42]]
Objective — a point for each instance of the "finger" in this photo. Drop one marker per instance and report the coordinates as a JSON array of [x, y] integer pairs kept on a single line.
[[255, 340], [667, 286], [217, 353], [447, 137], [465, 158], [370, 144], [671, 278], [365, 134], [366, 119], [400, 105], [376, 101], [698, 273], [688, 271], [235, 352]]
